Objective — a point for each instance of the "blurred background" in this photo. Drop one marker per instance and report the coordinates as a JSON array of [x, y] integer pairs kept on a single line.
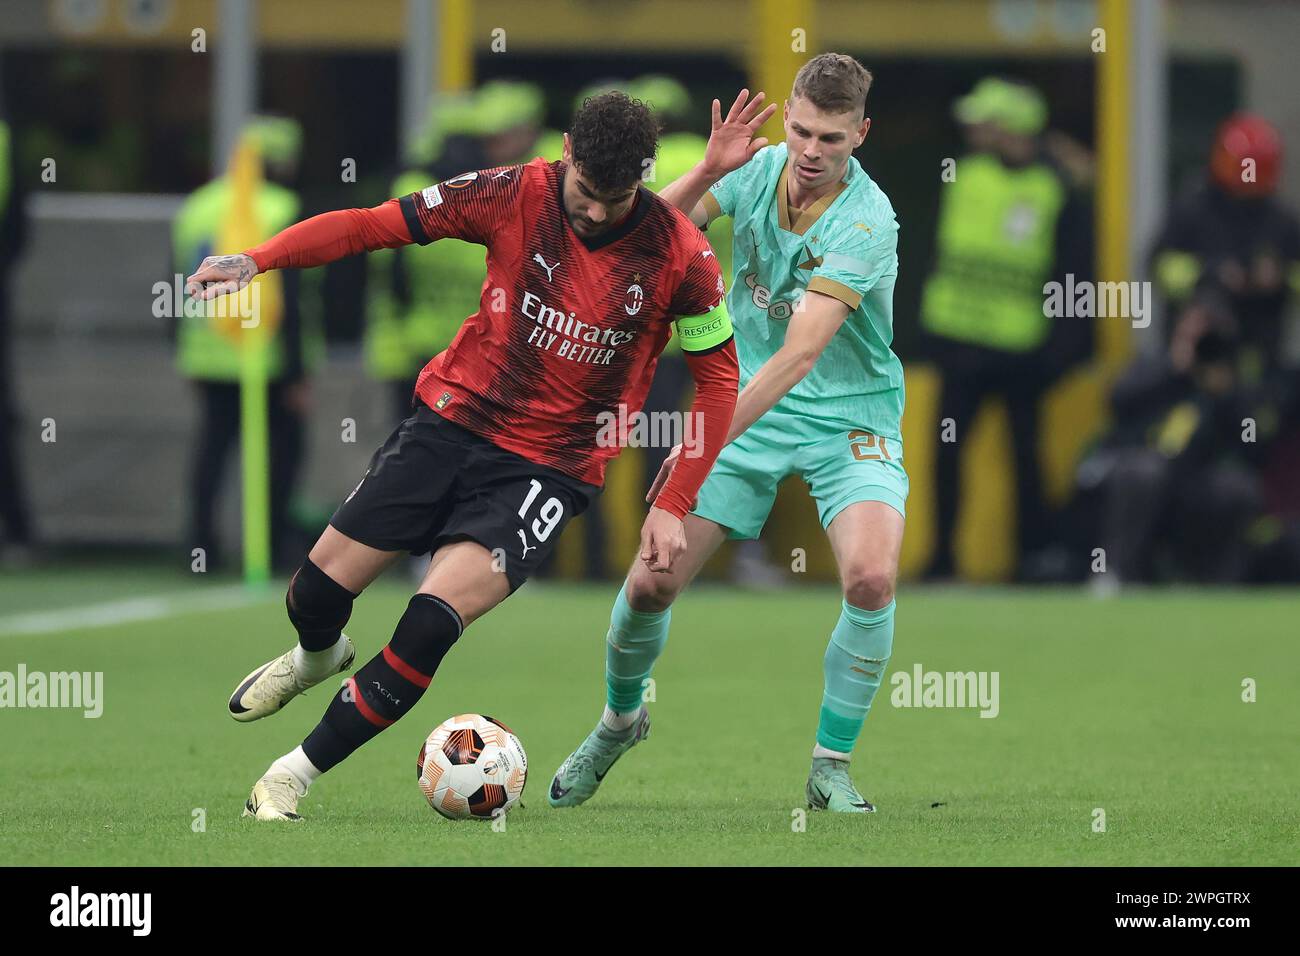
[[1160, 136]]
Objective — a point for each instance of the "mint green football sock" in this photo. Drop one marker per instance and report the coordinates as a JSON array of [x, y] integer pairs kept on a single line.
[[634, 643], [854, 666]]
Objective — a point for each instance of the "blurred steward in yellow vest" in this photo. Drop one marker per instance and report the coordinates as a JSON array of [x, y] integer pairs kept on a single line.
[[210, 358], [1008, 224], [418, 296]]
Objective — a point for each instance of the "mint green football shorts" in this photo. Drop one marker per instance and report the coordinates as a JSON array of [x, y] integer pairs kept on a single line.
[[842, 465]]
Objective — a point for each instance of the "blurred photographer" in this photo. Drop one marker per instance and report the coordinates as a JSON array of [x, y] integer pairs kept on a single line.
[[1231, 230], [1177, 479]]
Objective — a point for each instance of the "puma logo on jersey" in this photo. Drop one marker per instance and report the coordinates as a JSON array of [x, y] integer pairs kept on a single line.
[[537, 257], [527, 547]]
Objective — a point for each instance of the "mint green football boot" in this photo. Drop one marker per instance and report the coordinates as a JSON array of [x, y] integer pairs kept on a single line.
[[830, 788], [584, 769]]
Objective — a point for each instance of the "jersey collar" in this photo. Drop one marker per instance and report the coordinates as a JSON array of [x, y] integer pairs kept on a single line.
[[810, 215], [638, 212]]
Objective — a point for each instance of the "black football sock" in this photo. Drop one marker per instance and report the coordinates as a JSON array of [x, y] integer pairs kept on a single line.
[[388, 686], [318, 606]]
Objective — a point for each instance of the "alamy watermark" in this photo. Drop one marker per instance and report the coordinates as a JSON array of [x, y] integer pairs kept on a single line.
[[1098, 300], [171, 302], [949, 689], [77, 690], [624, 429], [129, 910]]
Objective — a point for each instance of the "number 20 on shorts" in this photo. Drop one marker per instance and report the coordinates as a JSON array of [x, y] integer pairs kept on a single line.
[[867, 447]]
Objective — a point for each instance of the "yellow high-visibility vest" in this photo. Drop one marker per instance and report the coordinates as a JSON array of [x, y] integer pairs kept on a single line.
[[996, 246]]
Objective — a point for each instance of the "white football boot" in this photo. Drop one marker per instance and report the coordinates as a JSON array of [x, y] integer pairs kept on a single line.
[[274, 684], [274, 797]]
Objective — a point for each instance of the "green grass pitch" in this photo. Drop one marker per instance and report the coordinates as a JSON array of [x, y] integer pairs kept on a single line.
[[1132, 705]]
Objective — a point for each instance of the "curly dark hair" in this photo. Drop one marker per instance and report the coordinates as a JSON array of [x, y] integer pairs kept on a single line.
[[615, 137]]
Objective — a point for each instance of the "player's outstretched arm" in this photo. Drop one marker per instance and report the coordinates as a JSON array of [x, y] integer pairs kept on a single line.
[[811, 327], [814, 323], [731, 145], [312, 242]]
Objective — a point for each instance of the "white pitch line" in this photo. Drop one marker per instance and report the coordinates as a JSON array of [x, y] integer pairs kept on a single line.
[[132, 610]]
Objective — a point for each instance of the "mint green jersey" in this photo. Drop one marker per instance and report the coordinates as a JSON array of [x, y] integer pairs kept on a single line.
[[846, 246]]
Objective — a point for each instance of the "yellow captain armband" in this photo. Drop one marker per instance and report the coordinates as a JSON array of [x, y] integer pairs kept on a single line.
[[704, 333]]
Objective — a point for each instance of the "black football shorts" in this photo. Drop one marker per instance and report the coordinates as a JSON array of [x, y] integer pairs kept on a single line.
[[433, 482]]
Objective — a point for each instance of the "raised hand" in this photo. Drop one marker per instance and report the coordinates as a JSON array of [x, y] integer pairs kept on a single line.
[[732, 143], [219, 275]]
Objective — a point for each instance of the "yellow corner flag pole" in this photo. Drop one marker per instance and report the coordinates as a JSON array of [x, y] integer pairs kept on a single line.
[[252, 323]]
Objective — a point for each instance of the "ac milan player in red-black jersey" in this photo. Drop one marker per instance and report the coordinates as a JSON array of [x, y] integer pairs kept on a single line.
[[588, 275]]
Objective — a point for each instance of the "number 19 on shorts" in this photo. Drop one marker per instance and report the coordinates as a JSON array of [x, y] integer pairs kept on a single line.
[[548, 515]]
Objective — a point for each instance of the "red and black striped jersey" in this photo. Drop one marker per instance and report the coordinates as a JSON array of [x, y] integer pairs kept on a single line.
[[567, 328]]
